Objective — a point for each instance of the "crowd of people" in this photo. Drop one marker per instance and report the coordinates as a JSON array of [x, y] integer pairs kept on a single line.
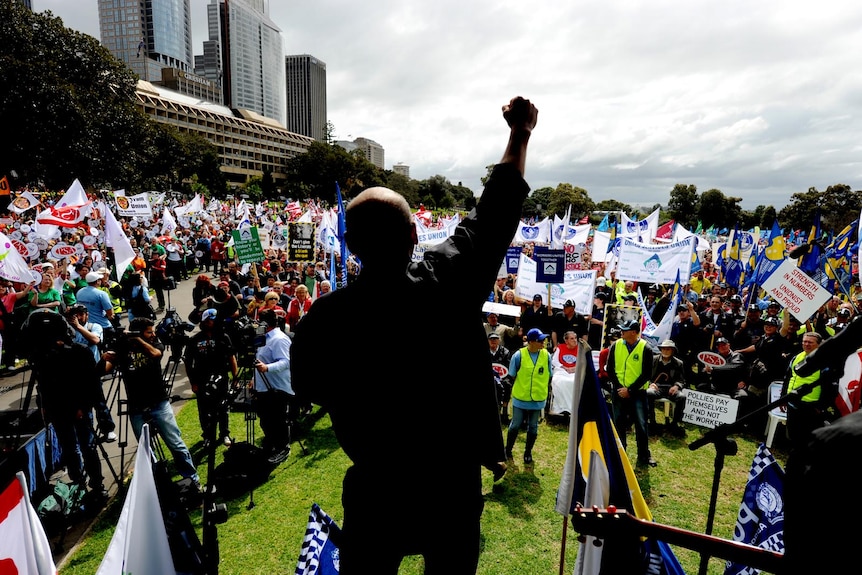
[[271, 317]]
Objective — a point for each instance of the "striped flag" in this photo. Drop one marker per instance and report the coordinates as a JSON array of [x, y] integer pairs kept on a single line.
[[761, 513], [597, 472], [319, 554]]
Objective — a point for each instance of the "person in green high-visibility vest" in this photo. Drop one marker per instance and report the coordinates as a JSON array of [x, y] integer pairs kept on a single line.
[[630, 369], [806, 412]]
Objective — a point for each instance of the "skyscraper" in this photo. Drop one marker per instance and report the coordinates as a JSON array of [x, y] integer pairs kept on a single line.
[[251, 66], [305, 77], [148, 35]]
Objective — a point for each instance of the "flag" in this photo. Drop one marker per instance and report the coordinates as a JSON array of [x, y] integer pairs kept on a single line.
[[665, 232], [811, 261], [5, 190], [603, 225], [849, 386], [140, 542], [699, 227], [750, 274], [598, 472], [117, 239], [169, 224], [859, 246], [341, 240], [773, 254], [584, 220], [835, 264], [661, 331], [319, 554], [613, 243], [733, 264], [12, 264], [561, 229], [23, 202], [25, 545], [761, 514]]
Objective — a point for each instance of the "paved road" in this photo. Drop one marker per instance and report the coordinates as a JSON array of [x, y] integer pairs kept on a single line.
[[13, 390]]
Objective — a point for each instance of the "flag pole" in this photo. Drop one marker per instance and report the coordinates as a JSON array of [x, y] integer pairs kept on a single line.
[[563, 545]]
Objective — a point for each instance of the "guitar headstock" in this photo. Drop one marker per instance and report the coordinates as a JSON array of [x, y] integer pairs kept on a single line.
[[602, 522]]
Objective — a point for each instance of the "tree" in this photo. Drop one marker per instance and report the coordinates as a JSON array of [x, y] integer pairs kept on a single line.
[[565, 195], [613, 206], [536, 203], [719, 210], [838, 206], [683, 205], [436, 193], [73, 104]]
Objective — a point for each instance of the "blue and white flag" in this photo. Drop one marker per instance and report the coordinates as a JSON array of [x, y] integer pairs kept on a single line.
[[538, 233], [761, 513], [319, 555]]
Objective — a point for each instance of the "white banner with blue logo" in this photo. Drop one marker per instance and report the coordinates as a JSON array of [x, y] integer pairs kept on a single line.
[[655, 263]]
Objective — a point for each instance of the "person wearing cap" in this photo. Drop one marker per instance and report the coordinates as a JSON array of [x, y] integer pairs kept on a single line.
[[209, 358], [392, 448], [699, 284], [624, 291], [568, 319], [668, 382], [492, 325], [726, 379], [841, 319], [531, 372], [91, 335], [138, 357], [597, 320], [736, 313], [500, 359], [630, 369], [751, 328], [685, 333], [537, 315], [97, 302], [715, 323]]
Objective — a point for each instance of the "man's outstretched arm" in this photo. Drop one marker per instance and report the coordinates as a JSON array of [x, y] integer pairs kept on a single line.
[[521, 116]]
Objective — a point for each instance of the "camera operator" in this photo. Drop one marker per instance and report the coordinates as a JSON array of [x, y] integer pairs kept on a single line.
[[67, 403], [209, 357], [273, 392], [138, 356], [90, 335]]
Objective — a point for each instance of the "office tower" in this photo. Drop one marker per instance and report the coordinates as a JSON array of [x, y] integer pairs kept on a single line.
[[372, 150], [148, 35], [402, 169], [251, 56], [305, 77]]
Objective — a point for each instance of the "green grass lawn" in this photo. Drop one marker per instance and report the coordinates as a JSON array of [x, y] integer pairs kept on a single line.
[[521, 532]]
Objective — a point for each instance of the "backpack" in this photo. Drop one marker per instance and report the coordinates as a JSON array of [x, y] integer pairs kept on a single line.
[[245, 467], [58, 506]]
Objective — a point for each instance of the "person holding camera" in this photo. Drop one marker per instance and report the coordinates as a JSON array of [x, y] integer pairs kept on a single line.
[[138, 356], [273, 391], [67, 403], [209, 358]]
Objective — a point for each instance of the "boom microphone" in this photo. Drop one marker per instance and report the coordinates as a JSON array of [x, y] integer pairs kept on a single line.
[[834, 351]]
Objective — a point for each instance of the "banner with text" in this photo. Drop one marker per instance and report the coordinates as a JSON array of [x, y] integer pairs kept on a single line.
[[655, 263], [796, 291]]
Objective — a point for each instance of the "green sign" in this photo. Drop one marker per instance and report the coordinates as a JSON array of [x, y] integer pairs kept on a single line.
[[247, 244]]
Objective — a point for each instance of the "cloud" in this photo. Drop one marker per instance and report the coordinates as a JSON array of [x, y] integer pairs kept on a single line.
[[758, 100]]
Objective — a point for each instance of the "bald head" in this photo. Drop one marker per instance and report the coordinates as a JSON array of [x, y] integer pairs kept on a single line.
[[379, 226]]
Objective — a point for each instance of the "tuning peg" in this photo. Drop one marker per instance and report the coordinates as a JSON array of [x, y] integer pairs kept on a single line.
[[597, 542]]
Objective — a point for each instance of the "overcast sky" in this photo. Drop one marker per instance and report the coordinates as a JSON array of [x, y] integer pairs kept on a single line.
[[757, 99]]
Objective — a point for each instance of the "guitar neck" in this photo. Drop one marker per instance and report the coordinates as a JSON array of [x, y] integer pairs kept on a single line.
[[610, 523]]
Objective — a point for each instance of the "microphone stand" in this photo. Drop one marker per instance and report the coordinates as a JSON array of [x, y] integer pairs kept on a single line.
[[724, 445]]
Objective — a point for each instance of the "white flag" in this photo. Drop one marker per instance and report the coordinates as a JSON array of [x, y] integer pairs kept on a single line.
[[25, 546], [169, 224], [116, 238], [140, 543], [12, 264]]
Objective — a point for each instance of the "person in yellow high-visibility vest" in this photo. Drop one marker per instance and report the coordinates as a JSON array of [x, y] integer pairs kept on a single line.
[[630, 369], [806, 412], [531, 371]]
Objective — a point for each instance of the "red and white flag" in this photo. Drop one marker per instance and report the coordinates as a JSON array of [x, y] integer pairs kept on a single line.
[[25, 549], [849, 387], [70, 210], [665, 232]]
